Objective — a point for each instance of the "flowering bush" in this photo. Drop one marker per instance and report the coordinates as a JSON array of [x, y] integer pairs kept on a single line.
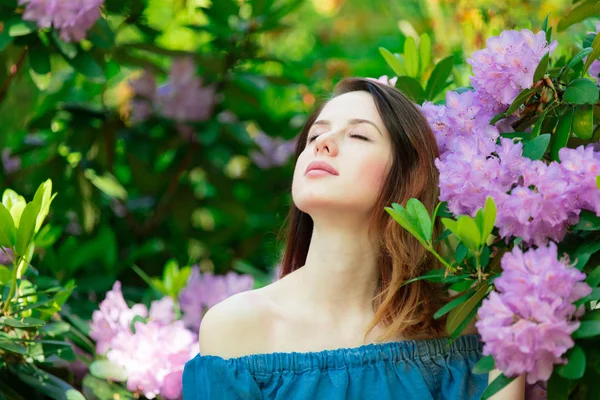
[[520, 197], [148, 348]]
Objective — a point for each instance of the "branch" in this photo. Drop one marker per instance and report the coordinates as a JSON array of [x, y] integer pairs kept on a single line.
[[13, 72]]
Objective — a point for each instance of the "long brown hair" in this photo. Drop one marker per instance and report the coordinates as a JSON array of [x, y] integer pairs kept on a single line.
[[406, 310]]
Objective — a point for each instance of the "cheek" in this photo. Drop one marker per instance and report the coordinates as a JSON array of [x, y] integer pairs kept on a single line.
[[372, 172]]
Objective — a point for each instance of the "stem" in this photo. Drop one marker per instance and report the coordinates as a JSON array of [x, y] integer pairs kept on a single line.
[[432, 251], [13, 72], [13, 286]]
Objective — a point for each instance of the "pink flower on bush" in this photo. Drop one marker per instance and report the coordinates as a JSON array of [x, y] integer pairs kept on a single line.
[[204, 290], [527, 324], [113, 317], [274, 152], [73, 18], [385, 80], [507, 65]]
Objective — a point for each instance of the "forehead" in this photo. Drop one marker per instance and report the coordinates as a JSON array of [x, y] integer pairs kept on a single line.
[[358, 104]]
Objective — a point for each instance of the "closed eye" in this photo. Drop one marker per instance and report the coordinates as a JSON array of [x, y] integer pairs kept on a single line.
[[310, 139], [360, 137]]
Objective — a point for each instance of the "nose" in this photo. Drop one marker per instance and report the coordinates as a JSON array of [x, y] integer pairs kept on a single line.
[[326, 144]]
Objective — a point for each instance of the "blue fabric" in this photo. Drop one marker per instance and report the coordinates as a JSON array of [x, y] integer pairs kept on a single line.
[[411, 369]]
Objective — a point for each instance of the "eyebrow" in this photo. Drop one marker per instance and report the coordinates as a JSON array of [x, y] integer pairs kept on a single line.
[[353, 121]]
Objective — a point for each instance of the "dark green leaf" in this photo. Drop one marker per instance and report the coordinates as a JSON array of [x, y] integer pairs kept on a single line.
[[26, 323], [497, 384], [536, 148], [39, 60], [519, 100], [537, 129], [95, 388], [12, 347], [101, 35], [438, 77], [412, 88], [541, 68], [558, 387], [575, 368], [593, 55], [5, 40], [46, 383], [581, 91], [68, 50], [562, 133], [524, 136], [461, 313], [421, 216], [438, 276], [593, 278], [577, 13], [578, 57], [450, 305], [584, 252], [484, 365], [588, 221], [545, 23], [587, 329], [85, 64]]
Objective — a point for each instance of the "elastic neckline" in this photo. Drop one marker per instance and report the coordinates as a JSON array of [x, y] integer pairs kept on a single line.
[[349, 357]]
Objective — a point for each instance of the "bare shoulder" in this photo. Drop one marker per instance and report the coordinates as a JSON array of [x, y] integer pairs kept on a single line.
[[236, 326]]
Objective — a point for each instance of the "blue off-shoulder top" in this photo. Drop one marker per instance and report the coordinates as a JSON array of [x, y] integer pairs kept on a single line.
[[410, 369]]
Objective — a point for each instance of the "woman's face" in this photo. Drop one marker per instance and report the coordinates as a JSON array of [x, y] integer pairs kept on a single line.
[[350, 139]]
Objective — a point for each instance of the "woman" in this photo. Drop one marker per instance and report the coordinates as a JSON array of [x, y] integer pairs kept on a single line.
[[339, 324]]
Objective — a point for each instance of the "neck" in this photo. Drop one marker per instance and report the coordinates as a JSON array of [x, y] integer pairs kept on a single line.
[[340, 275]]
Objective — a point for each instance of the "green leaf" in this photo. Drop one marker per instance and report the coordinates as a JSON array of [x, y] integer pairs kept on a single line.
[[545, 23], [12, 347], [542, 67], [558, 387], [437, 276], [497, 384], [412, 88], [454, 303], [468, 232], [101, 35], [416, 208], [593, 55], [460, 313], [581, 91], [393, 61], [519, 100], [27, 227], [484, 365], [587, 329], [39, 60], [584, 252], [562, 133], [105, 369], [424, 52], [401, 216], [411, 58], [19, 27], [577, 13], [536, 148], [5, 40], [46, 383], [67, 49], [8, 232], [578, 57], [95, 388], [537, 129], [575, 368], [588, 221], [438, 78], [593, 278], [489, 218], [85, 64], [26, 323], [107, 183]]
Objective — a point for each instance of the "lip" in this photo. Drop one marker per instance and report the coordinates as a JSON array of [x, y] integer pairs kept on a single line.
[[320, 166]]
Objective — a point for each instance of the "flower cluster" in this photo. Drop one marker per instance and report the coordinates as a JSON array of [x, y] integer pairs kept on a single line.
[[535, 200], [527, 324], [385, 80], [274, 152], [153, 353], [204, 290], [183, 98], [73, 18], [507, 65]]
